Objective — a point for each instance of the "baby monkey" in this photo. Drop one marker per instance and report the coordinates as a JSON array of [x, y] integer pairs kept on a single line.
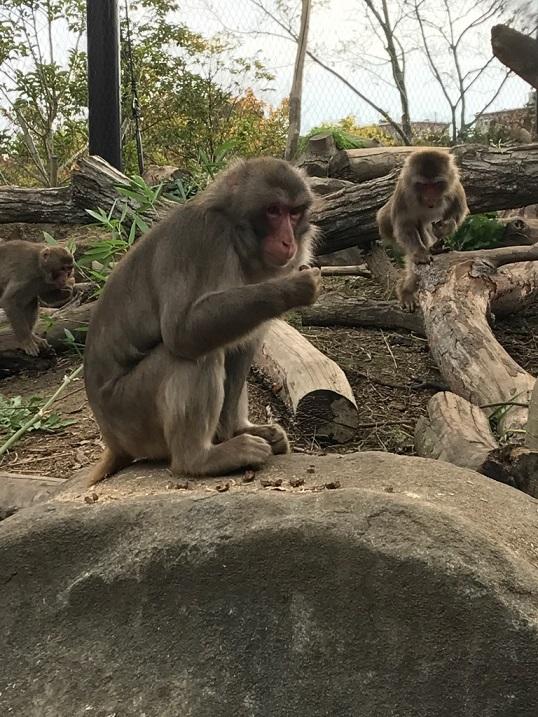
[[428, 193], [28, 271]]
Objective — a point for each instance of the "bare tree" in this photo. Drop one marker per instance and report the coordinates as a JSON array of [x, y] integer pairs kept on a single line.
[[283, 23], [449, 27], [385, 20], [297, 84]]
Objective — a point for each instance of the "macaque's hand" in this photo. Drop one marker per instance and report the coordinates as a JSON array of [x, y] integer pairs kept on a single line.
[[304, 287]]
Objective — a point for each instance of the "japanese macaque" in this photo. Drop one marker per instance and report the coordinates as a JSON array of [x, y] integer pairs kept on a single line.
[[428, 205], [28, 271], [176, 328]]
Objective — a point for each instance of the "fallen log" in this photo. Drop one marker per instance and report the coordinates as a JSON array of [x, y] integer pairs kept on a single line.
[[458, 432], [457, 294], [93, 184], [517, 51], [360, 165], [336, 310], [494, 179], [455, 431], [312, 386], [38, 205]]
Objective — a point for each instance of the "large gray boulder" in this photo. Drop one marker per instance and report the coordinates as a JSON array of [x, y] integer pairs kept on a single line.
[[411, 590]]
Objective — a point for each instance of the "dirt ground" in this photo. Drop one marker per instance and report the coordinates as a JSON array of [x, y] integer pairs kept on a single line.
[[392, 375]]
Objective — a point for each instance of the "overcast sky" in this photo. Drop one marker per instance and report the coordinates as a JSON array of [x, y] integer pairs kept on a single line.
[[341, 22]]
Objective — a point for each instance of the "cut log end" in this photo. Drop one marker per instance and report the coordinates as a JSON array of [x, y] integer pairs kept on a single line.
[[327, 416]]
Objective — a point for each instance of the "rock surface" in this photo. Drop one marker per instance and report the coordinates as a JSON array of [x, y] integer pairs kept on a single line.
[[410, 590]]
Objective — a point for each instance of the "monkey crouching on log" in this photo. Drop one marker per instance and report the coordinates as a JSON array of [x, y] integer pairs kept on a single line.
[[428, 192], [28, 271], [174, 333]]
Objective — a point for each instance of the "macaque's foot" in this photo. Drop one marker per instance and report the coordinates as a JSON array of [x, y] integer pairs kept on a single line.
[[33, 345], [250, 451], [439, 248], [421, 257], [407, 300], [274, 434]]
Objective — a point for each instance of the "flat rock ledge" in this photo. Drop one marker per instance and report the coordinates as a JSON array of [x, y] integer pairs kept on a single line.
[[409, 590]]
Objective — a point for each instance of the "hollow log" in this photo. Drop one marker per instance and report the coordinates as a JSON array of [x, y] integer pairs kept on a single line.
[[517, 51], [335, 310], [312, 386]]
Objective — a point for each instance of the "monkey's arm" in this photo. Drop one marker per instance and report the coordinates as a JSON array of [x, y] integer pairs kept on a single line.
[[455, 212], [21, 310], [223, 317], [409, 238]]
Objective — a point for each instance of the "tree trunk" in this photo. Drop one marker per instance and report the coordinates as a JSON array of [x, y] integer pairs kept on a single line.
[[297, 84], [517, 51]]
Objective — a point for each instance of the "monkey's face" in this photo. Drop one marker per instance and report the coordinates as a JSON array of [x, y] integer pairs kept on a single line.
[[58, 267], [279, 240], [430, 193]]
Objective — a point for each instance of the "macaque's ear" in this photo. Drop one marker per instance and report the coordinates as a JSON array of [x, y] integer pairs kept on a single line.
[[44, 255]]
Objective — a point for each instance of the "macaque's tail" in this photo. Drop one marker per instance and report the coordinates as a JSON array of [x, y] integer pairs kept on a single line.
[[109, 463]]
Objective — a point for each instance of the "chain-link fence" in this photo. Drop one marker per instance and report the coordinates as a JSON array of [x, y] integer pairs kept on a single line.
[[342, 42]]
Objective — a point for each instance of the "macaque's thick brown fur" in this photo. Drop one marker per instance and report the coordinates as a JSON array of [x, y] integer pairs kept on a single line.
[[428, 205], [175, 330], [28, 271]]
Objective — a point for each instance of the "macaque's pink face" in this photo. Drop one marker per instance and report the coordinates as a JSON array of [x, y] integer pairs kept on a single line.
[[280, 245], [430, 193]]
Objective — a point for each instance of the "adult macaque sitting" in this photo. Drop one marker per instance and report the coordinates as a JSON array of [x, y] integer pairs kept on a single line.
[[173, 336]]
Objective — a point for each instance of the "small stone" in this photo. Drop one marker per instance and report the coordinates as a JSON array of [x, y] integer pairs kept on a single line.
[[248, 477], [333, 485], [271, 483], [296, 482]]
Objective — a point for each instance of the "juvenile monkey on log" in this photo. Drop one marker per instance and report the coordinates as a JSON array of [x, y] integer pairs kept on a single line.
[[28, 271], [175, 330], [428, 193]]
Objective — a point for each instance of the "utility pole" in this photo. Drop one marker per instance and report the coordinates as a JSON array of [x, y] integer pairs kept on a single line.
[[104, 109]]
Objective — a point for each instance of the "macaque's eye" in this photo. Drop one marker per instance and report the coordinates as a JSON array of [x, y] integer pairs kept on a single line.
[[273, 211], [296, 212]]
